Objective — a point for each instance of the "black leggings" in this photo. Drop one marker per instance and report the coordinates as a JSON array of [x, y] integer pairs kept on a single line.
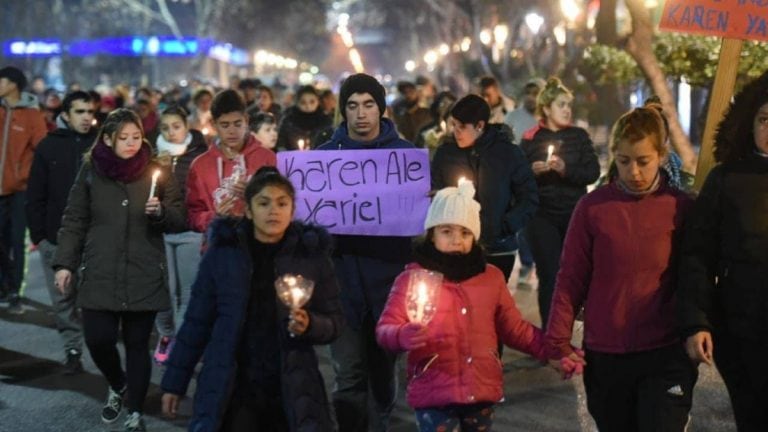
[[100, 329], [546, 236]]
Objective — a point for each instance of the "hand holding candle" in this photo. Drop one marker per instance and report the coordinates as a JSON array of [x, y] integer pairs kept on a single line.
[[301, 144], [295, 291], [550, 150]]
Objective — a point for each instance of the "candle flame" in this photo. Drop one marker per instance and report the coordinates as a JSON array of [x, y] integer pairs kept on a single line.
[[155, 175], [205, 131], [94, 122], [301, 144], [462, 180]]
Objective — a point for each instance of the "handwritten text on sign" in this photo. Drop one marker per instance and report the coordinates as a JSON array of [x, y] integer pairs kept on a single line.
[[738, 19], [364, 192]]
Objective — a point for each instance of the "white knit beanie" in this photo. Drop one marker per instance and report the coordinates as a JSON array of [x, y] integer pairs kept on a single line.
[[455, 205]]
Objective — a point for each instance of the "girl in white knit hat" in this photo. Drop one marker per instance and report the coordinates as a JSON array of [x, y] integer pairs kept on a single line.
[[454, 372]]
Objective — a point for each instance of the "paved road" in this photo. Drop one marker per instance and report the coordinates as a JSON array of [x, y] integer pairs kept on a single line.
[[34, 396]]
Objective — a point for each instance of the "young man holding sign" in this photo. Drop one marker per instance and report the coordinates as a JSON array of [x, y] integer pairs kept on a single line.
[[366, 267]]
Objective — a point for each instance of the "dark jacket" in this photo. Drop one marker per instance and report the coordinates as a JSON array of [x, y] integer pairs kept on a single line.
[[505, 185], [558, 195], [387, 248], [58, 159], [724, 274], [119, 250], [216, 316], [180, 164], [297, 125]]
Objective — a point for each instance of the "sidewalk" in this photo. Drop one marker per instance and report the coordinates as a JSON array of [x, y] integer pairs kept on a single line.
[[34, 396]]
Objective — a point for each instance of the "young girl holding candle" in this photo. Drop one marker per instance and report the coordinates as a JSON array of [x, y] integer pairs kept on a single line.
[[454, 372], [112, 233], [259, 365]]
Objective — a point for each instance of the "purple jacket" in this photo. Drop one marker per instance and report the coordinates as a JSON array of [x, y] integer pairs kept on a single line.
[[619, 261]]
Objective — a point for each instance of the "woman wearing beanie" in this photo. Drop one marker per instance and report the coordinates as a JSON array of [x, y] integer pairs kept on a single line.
[[565, 163], [112, 233], [620, 263], [454, 372]]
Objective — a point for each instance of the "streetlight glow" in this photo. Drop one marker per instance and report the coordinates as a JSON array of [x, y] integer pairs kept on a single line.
[[430, 57], [534, 22], [444, 49], [560, 33], [486, 37], [500, 33], [570, 9], [466, 43], [410, 65]]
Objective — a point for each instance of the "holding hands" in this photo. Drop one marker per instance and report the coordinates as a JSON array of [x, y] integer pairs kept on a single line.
[[571, 364]]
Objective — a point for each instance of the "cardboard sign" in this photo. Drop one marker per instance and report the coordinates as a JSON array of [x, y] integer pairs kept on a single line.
[[739, 19], [362, 192]]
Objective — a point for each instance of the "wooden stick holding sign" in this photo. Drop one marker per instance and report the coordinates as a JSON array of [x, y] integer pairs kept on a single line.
[[734, 21], [722, 91]]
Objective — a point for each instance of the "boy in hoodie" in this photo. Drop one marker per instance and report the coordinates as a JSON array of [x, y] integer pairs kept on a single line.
[[57, 161], [22, 126], [217, 178], [366, 267]]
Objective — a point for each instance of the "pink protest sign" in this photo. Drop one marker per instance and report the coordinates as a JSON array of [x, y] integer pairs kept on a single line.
[[361, 192], [739, 19]]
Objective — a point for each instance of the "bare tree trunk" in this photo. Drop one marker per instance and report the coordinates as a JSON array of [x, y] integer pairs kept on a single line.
[[640, 47]]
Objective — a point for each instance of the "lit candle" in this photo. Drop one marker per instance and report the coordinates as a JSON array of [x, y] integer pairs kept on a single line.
[[550, 150], [94, 122], [462, 180], [421, 301], [205, 131], [443, 126], [301, 144], [296, 295], [154, 183]]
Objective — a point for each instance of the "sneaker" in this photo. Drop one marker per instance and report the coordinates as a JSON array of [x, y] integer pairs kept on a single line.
[[112, 406], [73, 365], [163, 350], [134, 423], [14, 305]]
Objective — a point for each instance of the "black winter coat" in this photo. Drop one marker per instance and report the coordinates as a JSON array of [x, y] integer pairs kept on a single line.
[[58, 159], [505, 185], [724, 268], [216, 316], [297, 125], [118, 249], [558, 195]]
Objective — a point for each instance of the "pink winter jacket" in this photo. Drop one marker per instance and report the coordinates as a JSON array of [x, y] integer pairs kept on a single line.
[[460, 363]]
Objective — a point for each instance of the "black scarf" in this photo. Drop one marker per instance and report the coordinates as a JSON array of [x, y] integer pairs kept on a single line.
[[454, 267]]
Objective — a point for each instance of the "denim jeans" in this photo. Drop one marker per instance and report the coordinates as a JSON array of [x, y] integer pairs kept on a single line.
[[182, 251]]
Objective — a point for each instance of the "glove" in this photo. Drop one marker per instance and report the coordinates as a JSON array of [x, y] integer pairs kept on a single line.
[[412, 336]]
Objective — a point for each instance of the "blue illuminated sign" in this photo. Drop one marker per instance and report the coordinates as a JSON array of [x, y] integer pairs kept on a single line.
[[43, 47], [134, 46]]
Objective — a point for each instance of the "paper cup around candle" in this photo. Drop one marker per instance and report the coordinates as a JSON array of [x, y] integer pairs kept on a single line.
[[294, 290]]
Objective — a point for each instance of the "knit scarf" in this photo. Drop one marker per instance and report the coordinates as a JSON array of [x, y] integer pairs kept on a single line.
[[173, 149], [454, 267], [110, 165]]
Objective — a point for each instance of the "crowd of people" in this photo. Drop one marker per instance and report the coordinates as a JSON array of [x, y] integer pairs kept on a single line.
[[168, 213]]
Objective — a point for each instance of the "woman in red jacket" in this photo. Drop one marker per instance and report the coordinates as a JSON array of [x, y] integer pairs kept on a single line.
[[454, 372], [618, 262]]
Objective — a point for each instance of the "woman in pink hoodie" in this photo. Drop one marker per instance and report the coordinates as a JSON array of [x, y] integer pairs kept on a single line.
[[454, 372]]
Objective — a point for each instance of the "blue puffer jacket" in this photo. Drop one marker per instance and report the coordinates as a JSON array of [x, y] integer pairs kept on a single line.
[[215, 320]]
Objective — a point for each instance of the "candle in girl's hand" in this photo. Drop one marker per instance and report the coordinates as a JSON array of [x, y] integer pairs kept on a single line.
[[461, 180], [205, 131], [550, 150], [421, 301], [301, 144], [154, 183]]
